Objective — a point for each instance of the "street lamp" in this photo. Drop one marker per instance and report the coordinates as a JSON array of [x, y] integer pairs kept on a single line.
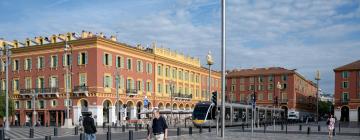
[[210, 62], [67, 48], [171, 98], [7, 63], [317, 78], [278, 85], [117, 97]]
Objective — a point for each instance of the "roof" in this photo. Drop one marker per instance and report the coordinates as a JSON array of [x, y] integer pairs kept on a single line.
[[259, 71], [351, 66]]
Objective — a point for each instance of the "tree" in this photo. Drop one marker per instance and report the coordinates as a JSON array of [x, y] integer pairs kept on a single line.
[[3, 106], [324, 108]]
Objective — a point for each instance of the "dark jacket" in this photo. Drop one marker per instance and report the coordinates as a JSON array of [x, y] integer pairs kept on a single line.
[[89, 125]]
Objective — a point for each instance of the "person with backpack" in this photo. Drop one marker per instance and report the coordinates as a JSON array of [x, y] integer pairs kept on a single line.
[[159, 127], [89, 126], [331, 125]]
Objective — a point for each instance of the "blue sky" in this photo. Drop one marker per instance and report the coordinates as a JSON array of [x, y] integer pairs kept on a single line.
[[305, 34]]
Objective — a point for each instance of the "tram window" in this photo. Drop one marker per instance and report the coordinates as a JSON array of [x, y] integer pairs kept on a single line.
[[200, 112], [227, 114]]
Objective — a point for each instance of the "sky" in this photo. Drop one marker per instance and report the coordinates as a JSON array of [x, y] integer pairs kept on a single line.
[[306, 35]]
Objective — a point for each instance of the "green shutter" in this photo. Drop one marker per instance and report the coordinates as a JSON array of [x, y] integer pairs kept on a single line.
[[64, 59], [110, 60], [86, 58], [116, 62], [104, 81], [56, 61], [79, 59], [70, 57]]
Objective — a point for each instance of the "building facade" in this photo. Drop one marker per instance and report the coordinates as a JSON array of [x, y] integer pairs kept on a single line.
[[347, 92], [296, 92], [93, 69]]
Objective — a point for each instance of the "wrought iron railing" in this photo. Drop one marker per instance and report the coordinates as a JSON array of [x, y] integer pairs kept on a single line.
[[81, 88], [182, 96], [344, 101], [131, 91], [39, 90], [283, 101]]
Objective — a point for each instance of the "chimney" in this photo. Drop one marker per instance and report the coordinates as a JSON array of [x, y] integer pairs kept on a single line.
[[39, 40], [69, 36], [53, 39], [101, 35], [90, 34], [84, 34], [16, 44], [113, 38]]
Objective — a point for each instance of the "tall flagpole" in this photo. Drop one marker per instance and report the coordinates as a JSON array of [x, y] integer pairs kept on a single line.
[[223, 68]]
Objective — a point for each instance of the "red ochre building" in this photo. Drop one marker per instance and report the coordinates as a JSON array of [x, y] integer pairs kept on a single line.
[[296, 93], [347, 92], [93, 63]]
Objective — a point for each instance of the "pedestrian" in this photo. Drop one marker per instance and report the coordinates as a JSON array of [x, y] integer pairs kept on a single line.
[[159, 126], [331, 125], [89, 126]]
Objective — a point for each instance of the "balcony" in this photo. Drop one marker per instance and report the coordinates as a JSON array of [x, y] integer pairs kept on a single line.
[[131, 92], [181, 96], [283, 101], [44, 92], [344, 101], [81, 90]]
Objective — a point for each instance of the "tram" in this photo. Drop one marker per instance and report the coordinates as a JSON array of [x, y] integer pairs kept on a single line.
[[205, 113]]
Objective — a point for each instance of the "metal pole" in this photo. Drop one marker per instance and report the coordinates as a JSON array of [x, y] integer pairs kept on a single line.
[[223, 67], [117, 98], [171, 98], [7, 88], [317, 101], [34, 111], [209, 83]]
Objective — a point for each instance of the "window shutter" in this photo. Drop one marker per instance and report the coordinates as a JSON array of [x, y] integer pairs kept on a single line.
[[70, 57], [64, 59], [122, 82], [104, 59], [30, 64], [56, 61], [110, 60], [121, 62], [110, 82], [142, 86], [79, 59], [51, 85], [104, 81], [86, 58], [117, 62]]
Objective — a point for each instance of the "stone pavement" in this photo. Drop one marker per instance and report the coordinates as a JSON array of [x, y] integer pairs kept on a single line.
[[235, 135]]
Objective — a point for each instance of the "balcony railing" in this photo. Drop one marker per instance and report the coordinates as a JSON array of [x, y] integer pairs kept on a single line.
[[40, 91], [181, 96], [131, 92], [81, 90], [283, 101], [344, 101]]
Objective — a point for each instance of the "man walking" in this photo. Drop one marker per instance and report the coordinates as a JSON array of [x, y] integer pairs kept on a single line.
[[159, 126], [89, 126]]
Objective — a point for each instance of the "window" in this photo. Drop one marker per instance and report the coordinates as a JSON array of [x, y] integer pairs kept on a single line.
[[271, 78], [232, 88], [139, 66], [67, 60], [41, 62], [67, 102], [251, 79], [2, 65], [167, 72], [17, 104], [192, 77], [107, 59], [41, 104], [260, 79], [233, 81], [174, 73], [53, 82], [284, 77], [130, 84], [186, 76], [16, 85], [345, 96], [28, 104], [270, 86], [251, 87], [260, 87], [53, 103], [148, 86], [122, 82], [40, 83], [159, 88], [148, 68], [242, 80], [67, 81], [16, 65], [82, 79], [242, 87], [107, 81], [119, 62], [270, 96], [159, 70], [28, 83], [180, 75], [139, 85], [129, 64], [54, 61], [197, 79], [83, 58], [284, 85], [261, 96], [167, 88], [345, 74], [345, 84]]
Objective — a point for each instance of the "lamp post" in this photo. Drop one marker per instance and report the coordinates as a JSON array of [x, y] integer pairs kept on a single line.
[[171, 98], [118, 120], [223, 67], [278, 85], [317, 78], [7, 63], [210, 62], [67, 48]]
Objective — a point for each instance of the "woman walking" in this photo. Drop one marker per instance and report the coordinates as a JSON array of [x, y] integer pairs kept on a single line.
[[331, 125]]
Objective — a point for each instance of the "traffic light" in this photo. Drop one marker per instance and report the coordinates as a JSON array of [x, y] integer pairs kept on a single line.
[[214, 97]]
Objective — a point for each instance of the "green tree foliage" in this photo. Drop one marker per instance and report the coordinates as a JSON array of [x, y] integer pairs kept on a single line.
[[324, 108], [3, 106]]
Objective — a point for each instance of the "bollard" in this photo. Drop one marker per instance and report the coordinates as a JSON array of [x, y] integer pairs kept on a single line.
[[333, 132], [300, 127], [185, 123], [264, 128], [31, 135], [47, 137], [200, 130], [282, 126], [247, 125], [108, 135], [127, 126], [178, 131], [55, 131], [209, 129], [82, 136], [109, 128], [286, 128], [2, 134], [339, 127], [319, 128], [243, 129], [136, 127], [131, 135], [190, 130], [123, 128], [308, 130], [104, 124], [76, 130]]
